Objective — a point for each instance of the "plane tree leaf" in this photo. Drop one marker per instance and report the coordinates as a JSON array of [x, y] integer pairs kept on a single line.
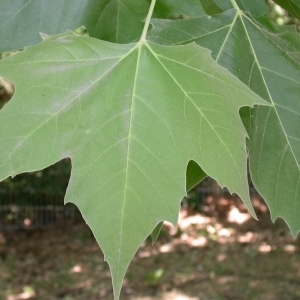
[[166, 8], [292, 6], [266, 57], [194, 175], [111, 20], [255, 7], [155, 233], [131, 117], [211, 7]]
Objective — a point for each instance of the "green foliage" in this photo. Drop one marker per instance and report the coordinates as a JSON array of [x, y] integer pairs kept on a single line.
[[154, 277], [268, 62], [155, 232], [128, 143], [292, 6], [255, 7], [139, 108]]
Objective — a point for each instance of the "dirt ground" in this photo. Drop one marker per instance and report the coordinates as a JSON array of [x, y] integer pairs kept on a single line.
[[224, 254]]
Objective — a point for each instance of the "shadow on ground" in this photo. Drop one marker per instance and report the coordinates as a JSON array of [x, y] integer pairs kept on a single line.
[[220, 254]]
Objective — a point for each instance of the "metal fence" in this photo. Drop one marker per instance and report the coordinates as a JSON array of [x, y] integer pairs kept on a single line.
[[39, 215], [41, 211]]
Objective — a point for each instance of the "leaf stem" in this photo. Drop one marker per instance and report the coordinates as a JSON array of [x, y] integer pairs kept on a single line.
[[147, 22], [234, 4]]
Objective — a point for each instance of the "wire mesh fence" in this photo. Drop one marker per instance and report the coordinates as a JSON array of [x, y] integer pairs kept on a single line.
[[42, 211]]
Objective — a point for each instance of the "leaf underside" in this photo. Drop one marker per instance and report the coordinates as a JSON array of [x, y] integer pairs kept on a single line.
[[110, 20], [255, 7], [131, 117], [266, 58]]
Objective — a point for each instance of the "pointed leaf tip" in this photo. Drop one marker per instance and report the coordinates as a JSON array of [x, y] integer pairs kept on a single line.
[[44, 36]]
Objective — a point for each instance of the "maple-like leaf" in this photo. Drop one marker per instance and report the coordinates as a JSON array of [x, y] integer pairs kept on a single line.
[[292, 6], [111, 20], [166, 8], [130, 117], [266, 57], [120, 21], [255, 7]]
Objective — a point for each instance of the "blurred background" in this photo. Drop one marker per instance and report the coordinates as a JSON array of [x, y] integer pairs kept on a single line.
[[218, 251]]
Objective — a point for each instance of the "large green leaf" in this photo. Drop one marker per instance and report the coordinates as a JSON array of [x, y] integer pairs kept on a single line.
[[130, 117], [118, 21], [165, 8], [265, 57], [255, 7], [292, 6], [211, 7], [111, 20]]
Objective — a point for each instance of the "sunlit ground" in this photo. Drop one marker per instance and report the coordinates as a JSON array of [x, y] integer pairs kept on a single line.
[[222, 254]]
